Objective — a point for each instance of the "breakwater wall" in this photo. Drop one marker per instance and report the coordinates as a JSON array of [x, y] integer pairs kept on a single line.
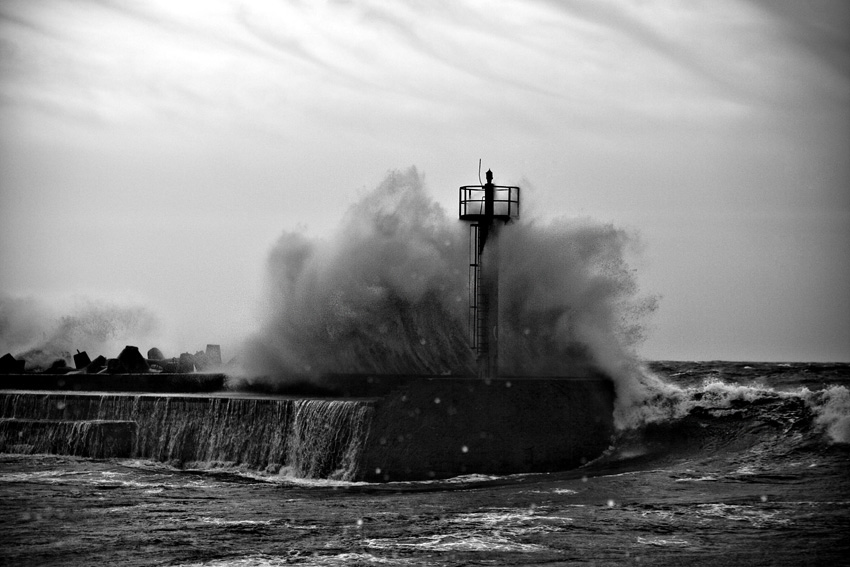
[[147, 382], [98, 439], [408, 429], [444, 427], [312, 438]]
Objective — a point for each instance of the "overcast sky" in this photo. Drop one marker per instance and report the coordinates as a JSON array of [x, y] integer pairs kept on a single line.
[[153, 151]]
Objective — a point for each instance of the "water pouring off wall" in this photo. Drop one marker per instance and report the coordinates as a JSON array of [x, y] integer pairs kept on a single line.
[[309, 438]]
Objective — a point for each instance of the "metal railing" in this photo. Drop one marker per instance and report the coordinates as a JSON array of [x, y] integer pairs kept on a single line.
[[505, 202]]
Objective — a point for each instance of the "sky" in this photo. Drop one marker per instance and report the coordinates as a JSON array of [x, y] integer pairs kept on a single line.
[[151, 152]]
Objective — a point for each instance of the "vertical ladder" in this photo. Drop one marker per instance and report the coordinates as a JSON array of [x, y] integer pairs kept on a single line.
[[475, 313]]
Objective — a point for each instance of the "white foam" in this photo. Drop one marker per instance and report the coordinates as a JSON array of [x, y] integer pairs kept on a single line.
[[554, 491], [223, 522], [757, 517], [307, 560], [661, 542], [708, 478], [657, 401], [475, 541]]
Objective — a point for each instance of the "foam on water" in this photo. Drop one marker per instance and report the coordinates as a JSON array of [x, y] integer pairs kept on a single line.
[[662, 542], [665, 402], [489, 542], [752, 515], [311, 560]]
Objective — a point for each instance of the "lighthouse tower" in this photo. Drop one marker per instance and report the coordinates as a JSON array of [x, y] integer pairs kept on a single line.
[[488, 207]]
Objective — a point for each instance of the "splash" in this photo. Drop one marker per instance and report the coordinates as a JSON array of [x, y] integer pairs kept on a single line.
[[832, 410], [662, 402], [34, 331], [388, 294], [385, 294]]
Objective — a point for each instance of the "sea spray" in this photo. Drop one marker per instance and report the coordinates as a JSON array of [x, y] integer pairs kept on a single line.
[[832, 409], [387, 293], [571, 306], [40, 332]]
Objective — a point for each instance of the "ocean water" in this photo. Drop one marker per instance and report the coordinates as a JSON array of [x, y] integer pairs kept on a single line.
[[747, 464]]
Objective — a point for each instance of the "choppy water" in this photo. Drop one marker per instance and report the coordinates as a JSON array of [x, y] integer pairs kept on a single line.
[[752, 467]]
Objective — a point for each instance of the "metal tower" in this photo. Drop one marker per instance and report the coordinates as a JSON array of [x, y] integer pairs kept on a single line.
[[488, 206]]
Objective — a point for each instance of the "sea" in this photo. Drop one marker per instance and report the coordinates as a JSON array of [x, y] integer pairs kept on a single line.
[[748, 464]]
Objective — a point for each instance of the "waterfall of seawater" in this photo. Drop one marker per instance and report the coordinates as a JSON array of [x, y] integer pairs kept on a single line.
[[300, 437]]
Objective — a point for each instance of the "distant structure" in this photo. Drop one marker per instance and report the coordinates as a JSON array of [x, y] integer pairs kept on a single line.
[[213, 355], [487, 206]]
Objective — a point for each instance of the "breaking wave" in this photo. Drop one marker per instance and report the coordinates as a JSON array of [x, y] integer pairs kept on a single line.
[[721, 416], [387, 293]]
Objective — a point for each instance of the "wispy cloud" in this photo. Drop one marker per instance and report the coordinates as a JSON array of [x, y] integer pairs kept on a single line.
[[676, 108]]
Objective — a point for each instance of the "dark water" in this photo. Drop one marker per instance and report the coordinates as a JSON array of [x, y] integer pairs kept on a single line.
[[749, 465]]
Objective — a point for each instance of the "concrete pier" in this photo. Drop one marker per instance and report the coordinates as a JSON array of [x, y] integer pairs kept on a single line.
[[444, 427], [372, 428], [147, 382]]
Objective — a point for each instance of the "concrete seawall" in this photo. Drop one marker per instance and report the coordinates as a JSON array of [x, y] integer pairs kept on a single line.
[[410, 428], [150, 382], [98, 439], [444, 427]]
